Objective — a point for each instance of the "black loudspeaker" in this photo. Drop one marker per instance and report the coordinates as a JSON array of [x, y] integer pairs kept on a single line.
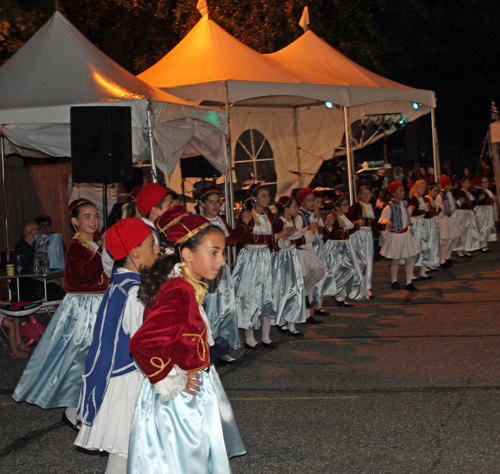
[[198, 167], [101, 144]]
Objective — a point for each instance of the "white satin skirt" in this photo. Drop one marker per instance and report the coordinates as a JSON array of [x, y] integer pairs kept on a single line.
[[220, 307], [362, 244], [421, 233], [321, 254], [470, 238], [343, 276], [253, 287], [288, 287], [486, 223], [186, 435], [432, 257]]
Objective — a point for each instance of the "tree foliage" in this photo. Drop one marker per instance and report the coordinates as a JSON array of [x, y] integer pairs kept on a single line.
[[448, 47]]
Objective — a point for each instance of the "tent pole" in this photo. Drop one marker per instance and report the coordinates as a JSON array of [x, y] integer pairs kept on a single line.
[[149, 114], [228, 178], [435, 147], [348, 155], [5, 203], [297, 149], [496, 164]]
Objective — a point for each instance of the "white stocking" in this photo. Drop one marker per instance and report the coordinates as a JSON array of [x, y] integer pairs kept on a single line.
[[394, 270], [266, 330], [249, 337], [409, 269], [116, 465]]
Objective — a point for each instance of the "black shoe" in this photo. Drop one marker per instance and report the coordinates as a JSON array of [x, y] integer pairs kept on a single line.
[[66, 421], [295, 333], [411, 287], [311, 320], [269, 345], [395, 285], [426, 277], [468, 255], [450, 260], [432, 269], [485, 250], [371, 297], [308, 305], [343, 304], [445, 264], [283, 329], [320, 312], [460, 255], [257, 347]]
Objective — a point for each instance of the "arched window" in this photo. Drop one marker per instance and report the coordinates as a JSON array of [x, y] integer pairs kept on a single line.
[[254, 159]]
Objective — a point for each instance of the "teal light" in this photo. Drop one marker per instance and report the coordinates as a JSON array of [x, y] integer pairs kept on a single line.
[[416, 105], [328, 105]]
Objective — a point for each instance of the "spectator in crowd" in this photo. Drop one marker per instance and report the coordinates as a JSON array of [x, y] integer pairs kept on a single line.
[[25, 246], [45, 223]]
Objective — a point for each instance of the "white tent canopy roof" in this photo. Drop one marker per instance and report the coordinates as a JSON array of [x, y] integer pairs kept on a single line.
[[59, 68]]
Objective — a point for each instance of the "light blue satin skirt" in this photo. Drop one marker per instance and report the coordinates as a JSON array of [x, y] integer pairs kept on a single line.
[[343, 276], [288, 290], [470, 238], [321, 254], [253, 287], [53, 376], [220, 307], [187, 435], [432, 255], [486, 223], [362, 245], [421, 233]]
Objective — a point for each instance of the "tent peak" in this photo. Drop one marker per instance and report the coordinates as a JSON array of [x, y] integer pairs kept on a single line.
[[304, 20], [202, 7]]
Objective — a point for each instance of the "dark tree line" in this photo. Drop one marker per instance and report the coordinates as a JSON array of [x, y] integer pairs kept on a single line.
[[448, 47]]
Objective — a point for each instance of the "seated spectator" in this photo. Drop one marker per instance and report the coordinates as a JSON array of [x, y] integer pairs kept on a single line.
[[45, 223], [18, 349], [30, 288]]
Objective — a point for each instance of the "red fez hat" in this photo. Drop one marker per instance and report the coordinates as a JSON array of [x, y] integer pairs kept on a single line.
[[126, 234], [282, 201], [186, 228], [444, 181], [149, 196], [303, 193], [79, 202], [318, 194], [210, 189], [133, 194], [392, 188], [253, 188], [170, 217]]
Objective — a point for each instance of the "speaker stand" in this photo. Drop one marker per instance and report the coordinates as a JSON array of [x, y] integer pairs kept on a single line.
[[105, 207]]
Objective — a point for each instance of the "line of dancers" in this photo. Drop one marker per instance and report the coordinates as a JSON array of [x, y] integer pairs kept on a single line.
[[128, 352]]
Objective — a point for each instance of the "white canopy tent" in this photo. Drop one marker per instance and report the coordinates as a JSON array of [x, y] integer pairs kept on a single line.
[[59, 68], [282, 95]]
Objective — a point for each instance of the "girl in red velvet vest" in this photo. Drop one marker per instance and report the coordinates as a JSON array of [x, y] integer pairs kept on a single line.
[[53, 377]]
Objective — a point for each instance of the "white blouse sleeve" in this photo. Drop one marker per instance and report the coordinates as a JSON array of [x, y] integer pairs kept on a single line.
[[174, 383], [134, 312], [385, 217]]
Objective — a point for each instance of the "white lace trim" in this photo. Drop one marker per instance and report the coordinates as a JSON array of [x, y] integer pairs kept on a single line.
[[265, 227], [218, 222], [174, 383], [368, 210]]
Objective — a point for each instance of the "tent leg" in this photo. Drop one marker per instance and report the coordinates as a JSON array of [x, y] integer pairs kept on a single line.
[[496, 165], [228, 181], [347, 130], [149, 114], [297, 149], [5, 202], [435, 147]]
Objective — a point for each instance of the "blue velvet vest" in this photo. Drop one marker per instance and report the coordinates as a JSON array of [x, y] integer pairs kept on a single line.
[[109, 354]]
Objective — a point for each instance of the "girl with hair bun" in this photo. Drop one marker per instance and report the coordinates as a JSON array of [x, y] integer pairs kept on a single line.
[[252, 277], [420, 228], [398, 242], [466, 219], [183, 421], [53, 376], [362, 241], [288, 281], [220, 303], [343, 277], [485, 213]]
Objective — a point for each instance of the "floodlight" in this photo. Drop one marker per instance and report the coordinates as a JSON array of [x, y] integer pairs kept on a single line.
[[329, 105], [416, 105]]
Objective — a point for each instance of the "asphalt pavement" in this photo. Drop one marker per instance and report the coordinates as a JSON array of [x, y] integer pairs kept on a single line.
[[403, 383]]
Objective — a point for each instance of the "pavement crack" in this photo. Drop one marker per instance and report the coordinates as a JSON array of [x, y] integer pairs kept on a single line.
[[22, 442]]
